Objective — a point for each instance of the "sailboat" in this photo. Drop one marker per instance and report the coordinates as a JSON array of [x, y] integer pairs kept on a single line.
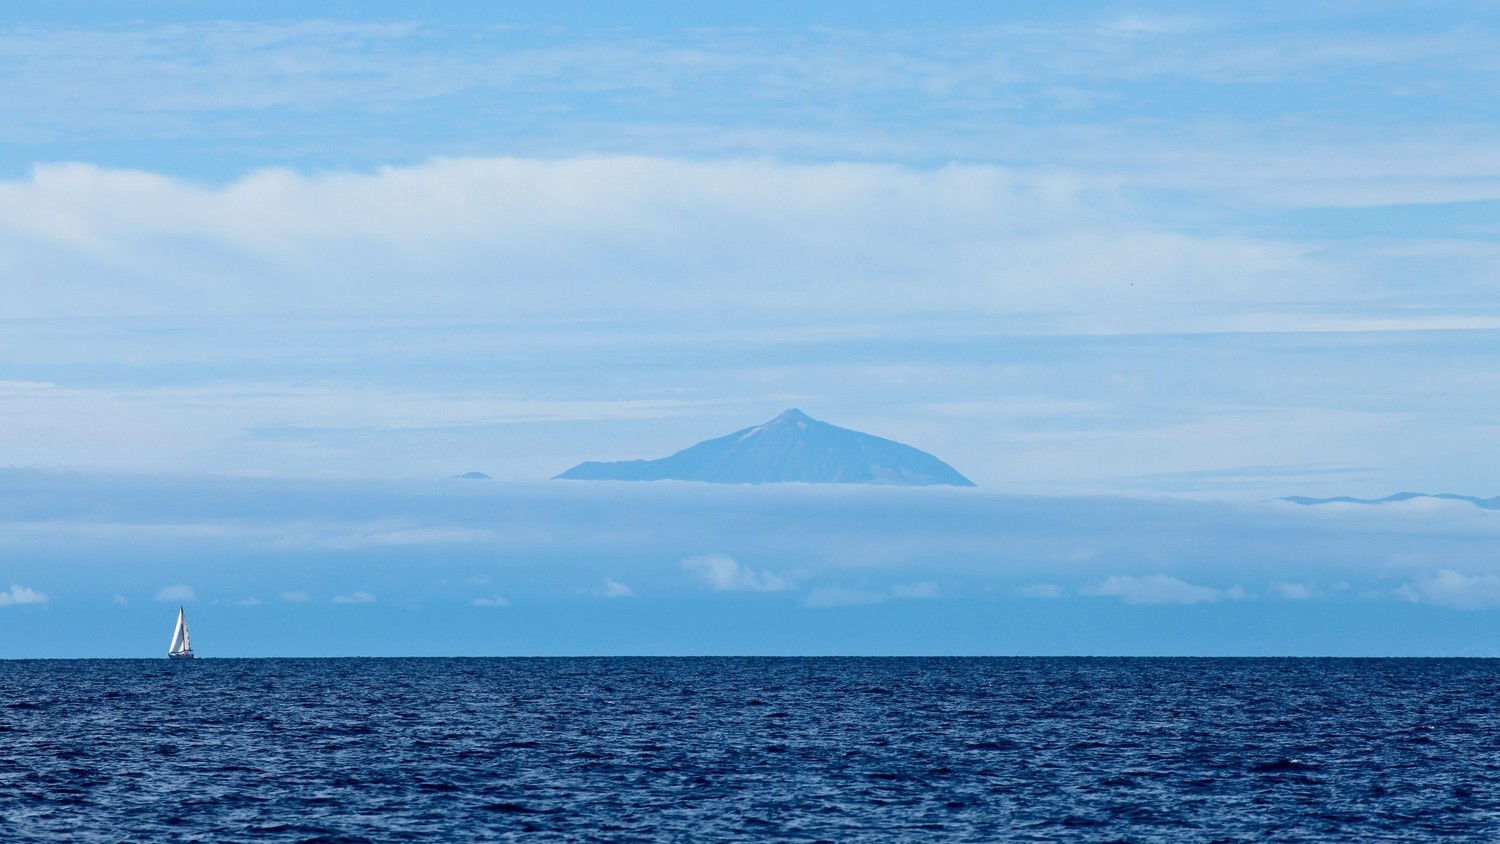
[[182, 646]]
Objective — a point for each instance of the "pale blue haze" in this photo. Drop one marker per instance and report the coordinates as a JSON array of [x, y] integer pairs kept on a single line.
[[272, 273]]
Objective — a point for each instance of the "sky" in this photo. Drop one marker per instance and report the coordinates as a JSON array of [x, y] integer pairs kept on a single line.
[[1142, 267]]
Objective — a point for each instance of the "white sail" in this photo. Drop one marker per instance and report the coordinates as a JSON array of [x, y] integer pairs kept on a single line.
[[180, 641]]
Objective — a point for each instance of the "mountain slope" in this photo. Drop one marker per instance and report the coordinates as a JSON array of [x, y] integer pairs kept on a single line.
[[792, 448]]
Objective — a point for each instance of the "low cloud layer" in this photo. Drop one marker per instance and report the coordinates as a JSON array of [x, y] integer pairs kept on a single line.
[[867, 570]]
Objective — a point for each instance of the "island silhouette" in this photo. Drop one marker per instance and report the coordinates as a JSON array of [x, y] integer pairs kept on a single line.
[[792, 448]]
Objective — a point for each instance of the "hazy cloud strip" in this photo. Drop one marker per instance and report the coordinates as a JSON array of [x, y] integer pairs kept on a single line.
[[940, 570]]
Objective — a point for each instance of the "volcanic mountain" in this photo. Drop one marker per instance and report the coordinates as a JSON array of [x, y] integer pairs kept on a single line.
[[792, 448]]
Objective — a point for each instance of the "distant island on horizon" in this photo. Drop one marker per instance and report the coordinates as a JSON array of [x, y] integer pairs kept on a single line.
[[1482, 503], [792, 448]]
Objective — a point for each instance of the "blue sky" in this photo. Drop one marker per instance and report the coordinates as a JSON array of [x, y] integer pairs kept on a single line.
[[1188, 255]]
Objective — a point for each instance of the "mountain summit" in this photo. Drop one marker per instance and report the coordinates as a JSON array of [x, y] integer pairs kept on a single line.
[[792, 448]]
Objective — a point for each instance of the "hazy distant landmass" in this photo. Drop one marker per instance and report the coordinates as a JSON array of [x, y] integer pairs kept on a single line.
[[473, 476], [1486, 503], [792, 448]]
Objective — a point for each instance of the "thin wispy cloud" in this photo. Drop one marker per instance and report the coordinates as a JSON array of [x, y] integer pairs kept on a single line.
[[298, 597], [179, 592], [495, 601], [357, 597], [1292, 591], [925, 589], [825, 597], [709, 89], [406, 536], [1159, 589], [612, 588], [845, 596]]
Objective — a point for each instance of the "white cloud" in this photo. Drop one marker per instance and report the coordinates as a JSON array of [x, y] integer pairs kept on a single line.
[[496, 601], [837, 596], [120, 599], [248, 602], [1042, 590], [925, 589], [358, 597], [21, 595], [723, 573], [1292, 591], [1159, 589], [295, 597], [178, 592], [1448, 588], [496, 237], [615, 589]]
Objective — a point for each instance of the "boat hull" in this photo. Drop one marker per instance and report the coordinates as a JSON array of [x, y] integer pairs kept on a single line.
[[188, 655]]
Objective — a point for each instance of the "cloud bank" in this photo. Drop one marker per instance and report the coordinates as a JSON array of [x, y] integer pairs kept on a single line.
[[507, 236]]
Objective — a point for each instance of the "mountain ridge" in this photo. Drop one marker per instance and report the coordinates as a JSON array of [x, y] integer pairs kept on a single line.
[[791, 448]]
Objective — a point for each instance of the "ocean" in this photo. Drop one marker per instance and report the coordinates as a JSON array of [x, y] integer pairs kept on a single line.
[[750, 749]]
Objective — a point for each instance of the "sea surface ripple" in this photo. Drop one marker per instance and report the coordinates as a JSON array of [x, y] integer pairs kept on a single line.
[[749, 749]]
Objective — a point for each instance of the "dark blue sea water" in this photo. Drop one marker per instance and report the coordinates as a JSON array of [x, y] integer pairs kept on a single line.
[[750, 750]]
